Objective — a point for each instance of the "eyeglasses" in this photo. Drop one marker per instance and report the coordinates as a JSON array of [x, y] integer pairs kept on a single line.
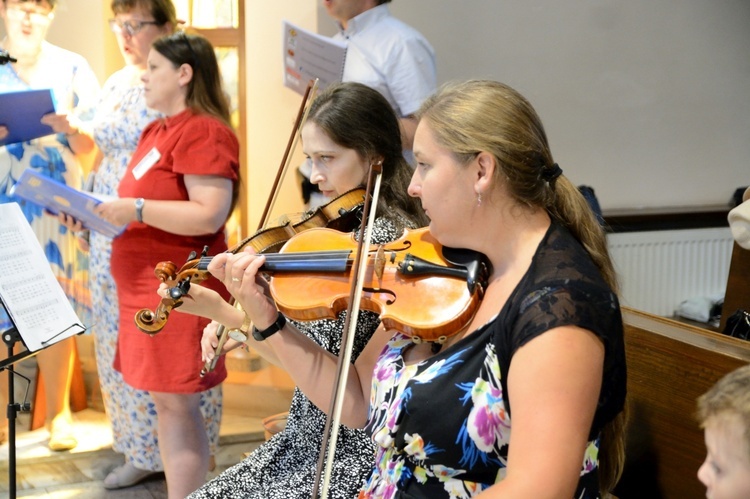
[[129, 28], [38, 12]]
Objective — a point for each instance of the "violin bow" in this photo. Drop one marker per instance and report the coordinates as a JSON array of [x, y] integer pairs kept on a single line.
[[333, 418], [310, 91]]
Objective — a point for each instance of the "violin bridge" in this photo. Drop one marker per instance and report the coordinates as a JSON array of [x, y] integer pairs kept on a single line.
[[379, 262]]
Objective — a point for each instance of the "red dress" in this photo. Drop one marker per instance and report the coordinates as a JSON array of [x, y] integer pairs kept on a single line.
[[170, 361]]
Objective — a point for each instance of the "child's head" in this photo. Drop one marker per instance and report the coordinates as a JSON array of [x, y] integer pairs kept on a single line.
[[724, 413]]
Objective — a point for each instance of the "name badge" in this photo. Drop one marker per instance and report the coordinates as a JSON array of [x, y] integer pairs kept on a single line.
[[146, 163]]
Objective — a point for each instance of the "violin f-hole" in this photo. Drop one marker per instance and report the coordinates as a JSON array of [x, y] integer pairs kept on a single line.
[[381, 291]]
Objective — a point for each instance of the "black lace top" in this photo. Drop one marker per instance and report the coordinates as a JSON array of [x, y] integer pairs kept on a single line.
[[442, 427]]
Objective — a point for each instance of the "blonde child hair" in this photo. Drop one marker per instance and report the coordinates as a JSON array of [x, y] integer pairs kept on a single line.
[[730, 396]]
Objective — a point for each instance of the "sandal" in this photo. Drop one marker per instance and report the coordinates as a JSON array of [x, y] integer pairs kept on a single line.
[[61, 436], [126, 475]]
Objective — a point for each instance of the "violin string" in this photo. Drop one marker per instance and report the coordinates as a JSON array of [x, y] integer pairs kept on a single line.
[[302, 256]]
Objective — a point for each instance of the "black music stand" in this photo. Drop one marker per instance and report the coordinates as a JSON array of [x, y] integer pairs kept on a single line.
[[10, 338], [39, 311]]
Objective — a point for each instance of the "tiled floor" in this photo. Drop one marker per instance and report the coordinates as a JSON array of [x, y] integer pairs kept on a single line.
[[79, 473]]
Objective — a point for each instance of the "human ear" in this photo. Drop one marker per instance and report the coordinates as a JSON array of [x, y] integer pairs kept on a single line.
[[485, 171], [185, 74]]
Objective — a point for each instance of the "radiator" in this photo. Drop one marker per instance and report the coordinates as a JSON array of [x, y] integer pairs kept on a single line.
[[657, 270]]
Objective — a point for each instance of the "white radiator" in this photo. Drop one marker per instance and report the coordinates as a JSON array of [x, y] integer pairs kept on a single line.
[[657, 270]]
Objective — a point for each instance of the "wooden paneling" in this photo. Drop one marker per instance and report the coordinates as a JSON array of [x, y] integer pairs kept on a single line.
[[670, 364]]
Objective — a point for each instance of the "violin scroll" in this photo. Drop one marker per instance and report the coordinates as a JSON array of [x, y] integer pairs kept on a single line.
[[152, 322]]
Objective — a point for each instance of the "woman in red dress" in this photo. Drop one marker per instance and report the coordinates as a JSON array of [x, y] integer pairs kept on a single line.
[[176, 195]]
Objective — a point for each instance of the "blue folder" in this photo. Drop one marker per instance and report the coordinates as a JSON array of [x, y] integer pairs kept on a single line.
[[57, 197], [21, 112]]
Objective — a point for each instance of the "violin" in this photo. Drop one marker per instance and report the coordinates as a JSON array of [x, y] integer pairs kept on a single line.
[[340, 214], [418, 287]]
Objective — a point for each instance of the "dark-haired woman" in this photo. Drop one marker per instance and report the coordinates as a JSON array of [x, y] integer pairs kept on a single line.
[[120, 118], [527, 399], [349, 127], [175, 196]]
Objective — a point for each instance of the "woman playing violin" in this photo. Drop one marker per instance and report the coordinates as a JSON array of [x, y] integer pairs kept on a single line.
[[349, 127], [175, 195], [527, 399]]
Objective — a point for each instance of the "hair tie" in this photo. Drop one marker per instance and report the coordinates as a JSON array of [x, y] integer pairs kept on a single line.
[[550, 174]]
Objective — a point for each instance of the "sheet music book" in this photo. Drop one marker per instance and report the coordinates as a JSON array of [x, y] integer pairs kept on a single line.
[[57, 197], [22, 112], [308, 56], [29, 290]]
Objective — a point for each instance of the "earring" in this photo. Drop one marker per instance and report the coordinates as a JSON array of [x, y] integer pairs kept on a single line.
[[479, 199]]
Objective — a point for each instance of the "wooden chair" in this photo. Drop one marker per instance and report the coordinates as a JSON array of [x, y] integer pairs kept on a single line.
[[670, 364]]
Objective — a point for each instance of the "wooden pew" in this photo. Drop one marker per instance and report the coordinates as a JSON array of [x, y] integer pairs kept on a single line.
[[669, 365]]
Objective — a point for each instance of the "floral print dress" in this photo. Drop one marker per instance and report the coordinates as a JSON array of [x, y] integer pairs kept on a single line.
[[284, 467], [121, 117], [74, 90], [442, 426]]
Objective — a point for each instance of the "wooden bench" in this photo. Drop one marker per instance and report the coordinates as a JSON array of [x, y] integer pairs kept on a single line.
[[670, 364]]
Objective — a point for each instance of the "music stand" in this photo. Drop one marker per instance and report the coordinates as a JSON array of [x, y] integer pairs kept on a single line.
[[10, 338], [39, 311]]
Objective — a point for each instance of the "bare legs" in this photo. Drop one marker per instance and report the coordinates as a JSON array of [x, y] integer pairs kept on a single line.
[[183, 442], [56, 366]]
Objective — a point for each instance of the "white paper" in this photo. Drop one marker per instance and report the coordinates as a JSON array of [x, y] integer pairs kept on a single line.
[[30, 292], [309, 56]]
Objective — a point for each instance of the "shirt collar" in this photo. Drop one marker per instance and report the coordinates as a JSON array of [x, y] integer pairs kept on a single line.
[[362, 21]]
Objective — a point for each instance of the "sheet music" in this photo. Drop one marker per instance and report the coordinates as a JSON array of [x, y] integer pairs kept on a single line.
[[57, 197], [29, 290], [308, 56]]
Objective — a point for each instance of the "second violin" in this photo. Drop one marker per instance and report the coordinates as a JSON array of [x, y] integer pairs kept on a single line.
[[342, 213]]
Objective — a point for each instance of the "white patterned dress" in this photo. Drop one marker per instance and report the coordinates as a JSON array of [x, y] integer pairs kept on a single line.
[[74, 88], [121, 116]]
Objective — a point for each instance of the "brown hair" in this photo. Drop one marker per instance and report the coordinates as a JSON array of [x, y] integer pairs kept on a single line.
[[162, 11], [357, 117], [204, 92], [729, 396], [483, 115]]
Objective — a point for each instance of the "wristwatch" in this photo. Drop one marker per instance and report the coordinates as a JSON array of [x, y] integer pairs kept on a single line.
[[240, 334], [139, 209], [272, 329]]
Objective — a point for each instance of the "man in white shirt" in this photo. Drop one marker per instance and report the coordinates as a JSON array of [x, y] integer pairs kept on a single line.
[[388, 55]]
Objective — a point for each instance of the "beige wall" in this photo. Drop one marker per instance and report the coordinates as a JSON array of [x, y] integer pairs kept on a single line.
[[644, 100], [271, 108]]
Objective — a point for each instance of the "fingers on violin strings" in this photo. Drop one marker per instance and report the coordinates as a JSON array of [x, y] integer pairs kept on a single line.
[[217, 265]]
